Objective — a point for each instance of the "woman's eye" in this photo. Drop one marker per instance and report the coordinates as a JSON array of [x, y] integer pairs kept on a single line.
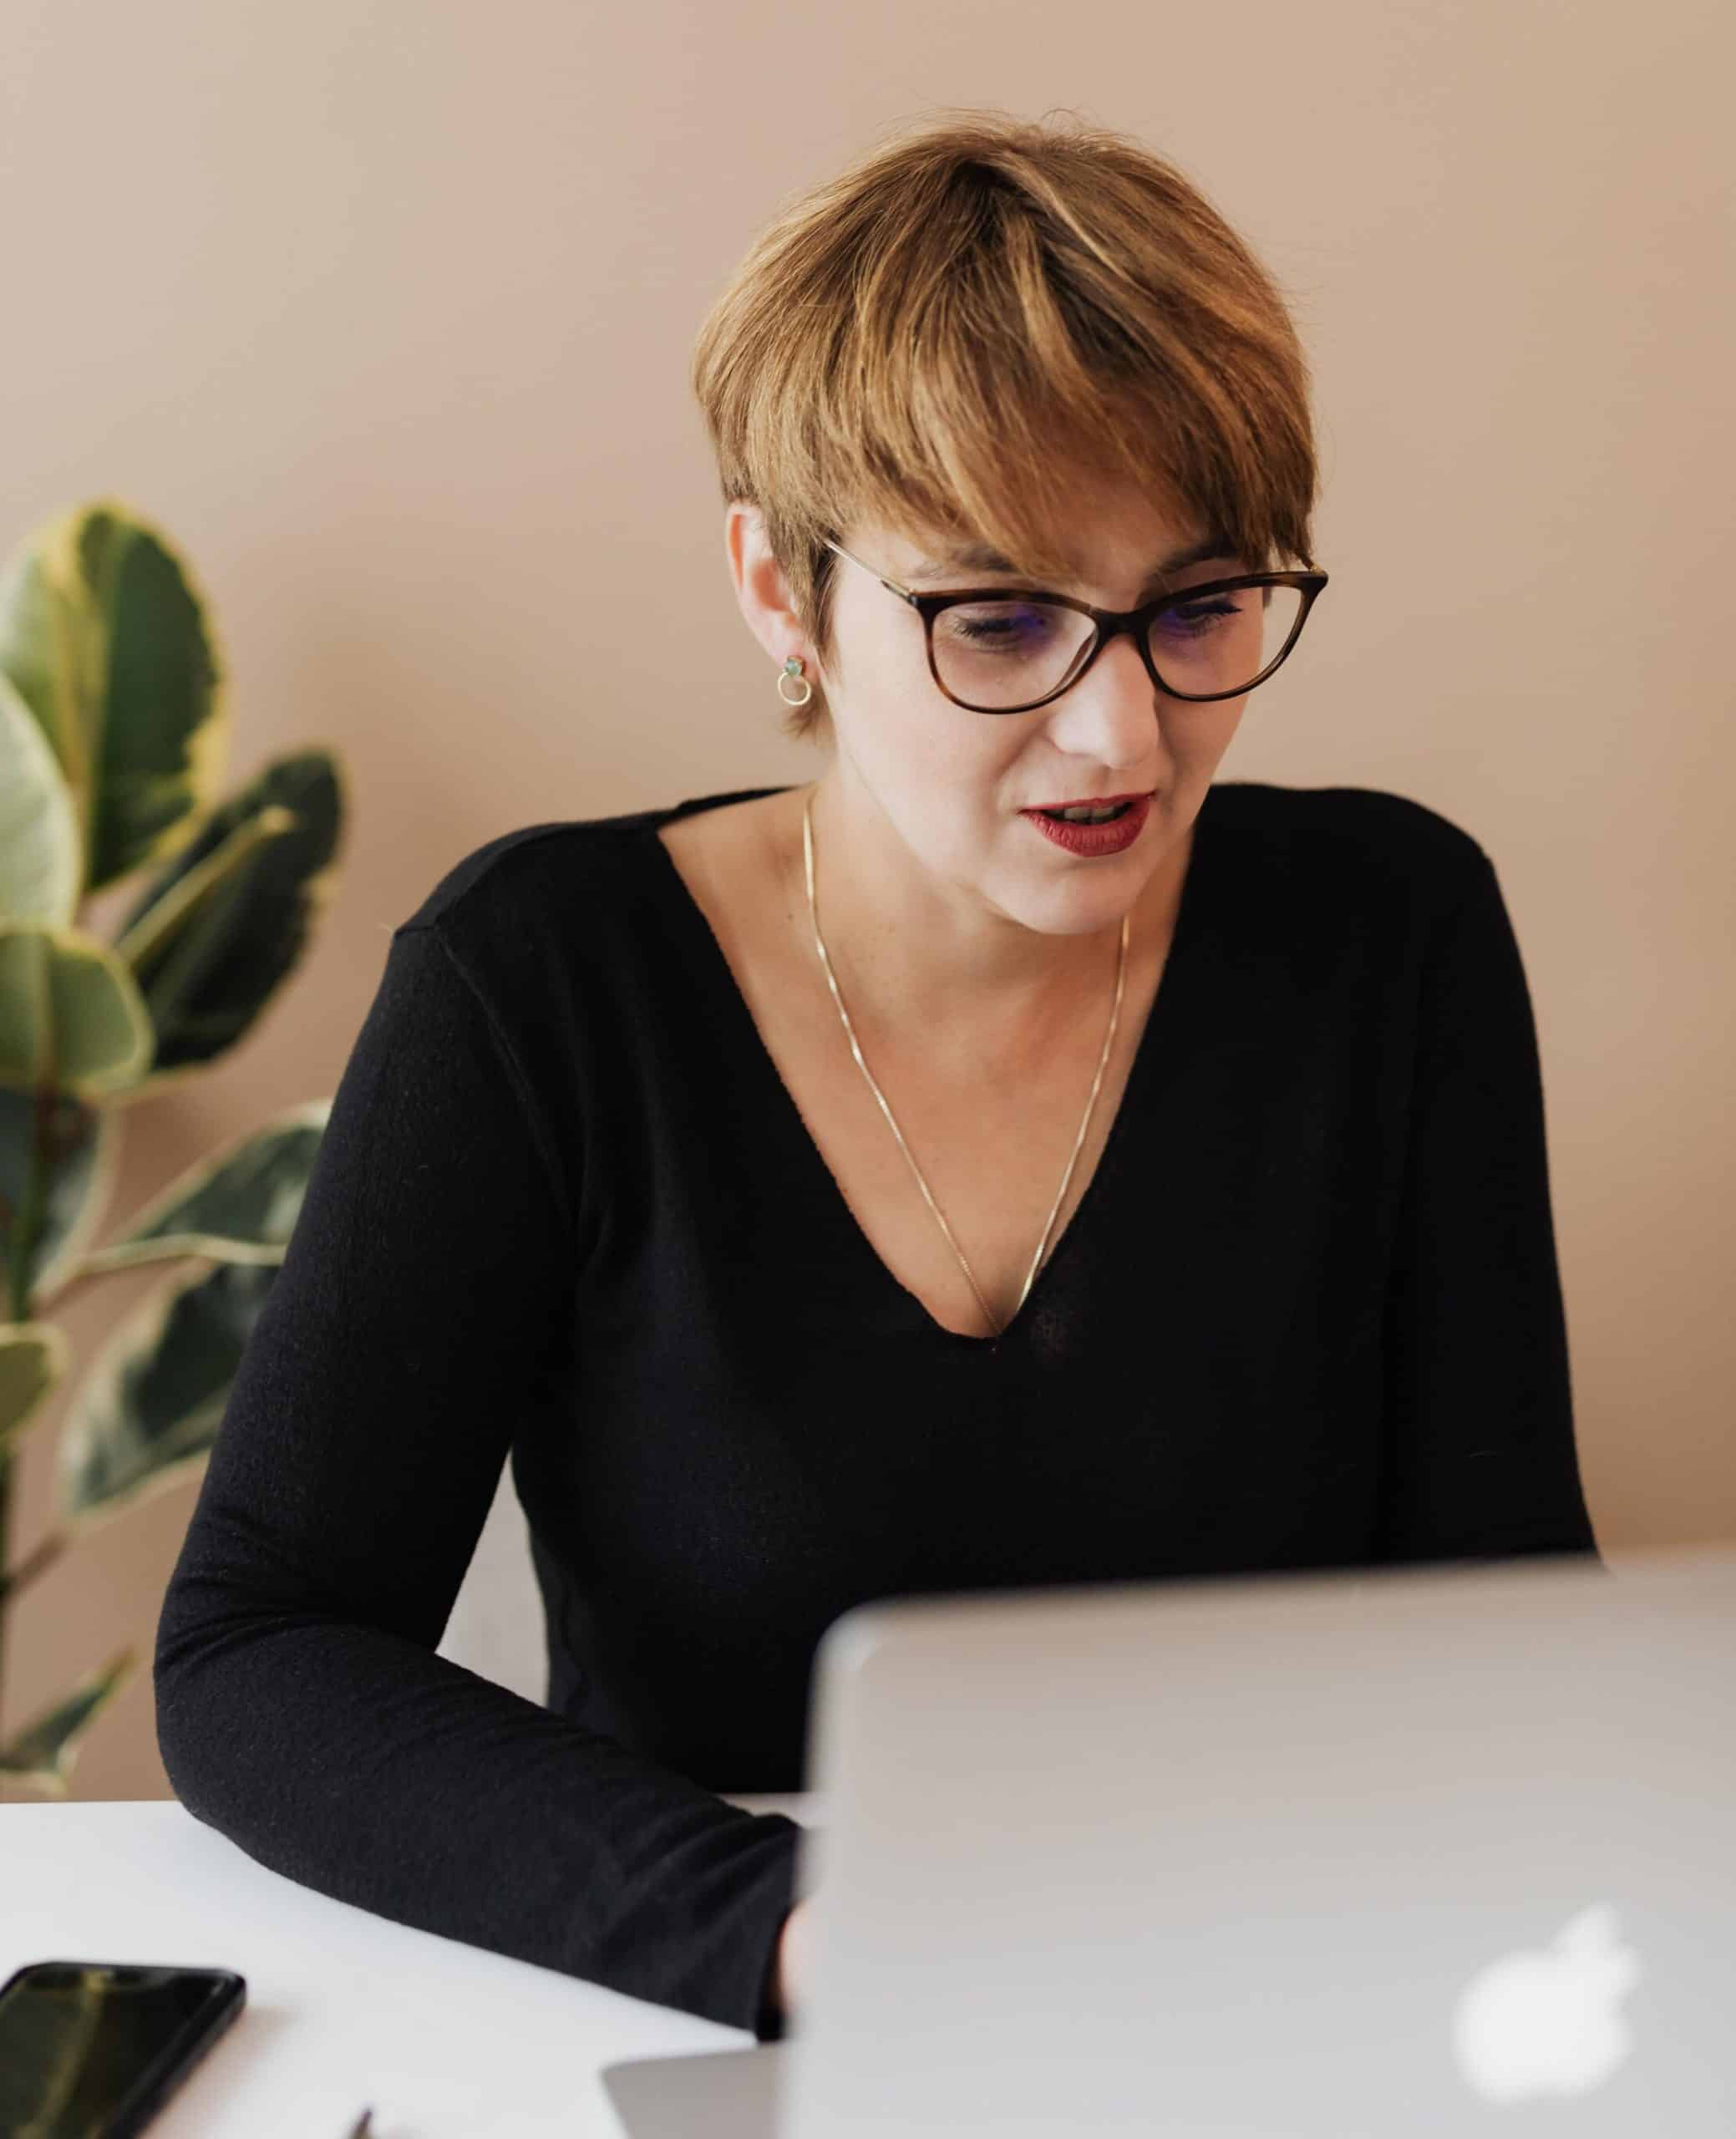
[[1002, 624], [1198, 614]]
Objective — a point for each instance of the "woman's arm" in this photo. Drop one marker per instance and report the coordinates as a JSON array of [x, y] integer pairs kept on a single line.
[[1481, 1459], [423, 1305]]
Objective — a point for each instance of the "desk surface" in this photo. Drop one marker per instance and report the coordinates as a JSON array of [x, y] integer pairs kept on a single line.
[[344, 2009]]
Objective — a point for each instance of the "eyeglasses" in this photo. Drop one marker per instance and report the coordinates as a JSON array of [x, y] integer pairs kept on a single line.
[[991, 650]]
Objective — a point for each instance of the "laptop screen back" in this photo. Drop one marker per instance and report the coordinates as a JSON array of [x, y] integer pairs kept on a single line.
[[1427, 1851]]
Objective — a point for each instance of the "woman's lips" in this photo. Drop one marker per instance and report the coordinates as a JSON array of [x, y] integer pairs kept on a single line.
[[1092, 840]]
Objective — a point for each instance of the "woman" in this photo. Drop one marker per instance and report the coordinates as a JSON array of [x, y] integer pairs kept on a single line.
[[878, 1186]]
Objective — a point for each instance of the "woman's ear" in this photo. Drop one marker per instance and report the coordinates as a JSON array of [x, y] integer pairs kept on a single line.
[[760, 587]]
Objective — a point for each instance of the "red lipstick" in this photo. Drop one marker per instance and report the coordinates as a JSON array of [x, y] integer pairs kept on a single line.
[[1114, 837]]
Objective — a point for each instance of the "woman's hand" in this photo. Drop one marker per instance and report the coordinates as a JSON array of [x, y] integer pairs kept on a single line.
[[793, 1958]]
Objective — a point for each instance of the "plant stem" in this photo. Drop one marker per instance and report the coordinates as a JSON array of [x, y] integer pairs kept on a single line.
[[21, 1249], [17, 1305], [5, 1526]]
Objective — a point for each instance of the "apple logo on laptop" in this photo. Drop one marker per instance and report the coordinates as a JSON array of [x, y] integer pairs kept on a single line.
[[1548, 2022]]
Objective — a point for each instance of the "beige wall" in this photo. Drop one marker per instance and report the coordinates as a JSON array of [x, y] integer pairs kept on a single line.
[[385, 312]]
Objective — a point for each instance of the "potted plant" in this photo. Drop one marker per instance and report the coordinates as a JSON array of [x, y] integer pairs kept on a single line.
[[114, 739]]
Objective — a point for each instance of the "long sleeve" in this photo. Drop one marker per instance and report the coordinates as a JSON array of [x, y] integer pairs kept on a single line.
[[301, 1709], [1481, 1453]]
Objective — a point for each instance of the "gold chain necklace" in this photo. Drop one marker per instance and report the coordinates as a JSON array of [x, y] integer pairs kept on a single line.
[[849, 1034]]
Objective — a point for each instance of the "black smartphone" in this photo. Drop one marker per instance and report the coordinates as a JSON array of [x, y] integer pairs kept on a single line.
[[92, 2049]]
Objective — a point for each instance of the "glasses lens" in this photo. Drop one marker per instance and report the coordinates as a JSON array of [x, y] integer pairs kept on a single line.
[[997, 655], [1220, 644]]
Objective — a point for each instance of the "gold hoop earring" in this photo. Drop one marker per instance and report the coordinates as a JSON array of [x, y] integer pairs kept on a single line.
[[793, 666]]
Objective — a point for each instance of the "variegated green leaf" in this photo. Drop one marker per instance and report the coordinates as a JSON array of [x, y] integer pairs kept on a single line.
[[53, 651], [41, 867], [34, 1358], [107, 637], [175, 901], [83, 1150], [70, 1012], [238, 1206], [150, 1407], [207, 976], [41, 1757]]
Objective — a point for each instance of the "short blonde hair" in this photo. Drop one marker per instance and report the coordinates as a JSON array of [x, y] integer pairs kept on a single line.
[[969, 315]]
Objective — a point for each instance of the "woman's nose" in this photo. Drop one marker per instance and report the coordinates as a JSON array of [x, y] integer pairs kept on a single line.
[[1110, 709]]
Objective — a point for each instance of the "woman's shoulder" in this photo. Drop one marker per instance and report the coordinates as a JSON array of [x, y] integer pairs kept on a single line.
[[1321, 878], [550, 869], [529, 866], [1348, 838], [1357, 816]]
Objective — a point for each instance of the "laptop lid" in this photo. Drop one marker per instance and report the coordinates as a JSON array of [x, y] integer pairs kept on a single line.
[[1429, 1851]]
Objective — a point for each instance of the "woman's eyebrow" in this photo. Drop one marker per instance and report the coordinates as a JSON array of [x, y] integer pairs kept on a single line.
[[982, 556]]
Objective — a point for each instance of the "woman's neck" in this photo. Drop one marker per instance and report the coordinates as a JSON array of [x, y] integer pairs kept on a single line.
[[914, 956]]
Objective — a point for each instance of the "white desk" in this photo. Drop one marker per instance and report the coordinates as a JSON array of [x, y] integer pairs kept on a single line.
[[344, 2009]]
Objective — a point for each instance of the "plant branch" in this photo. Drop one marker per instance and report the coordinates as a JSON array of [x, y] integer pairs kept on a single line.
[[31, 1566], [21, 1247]]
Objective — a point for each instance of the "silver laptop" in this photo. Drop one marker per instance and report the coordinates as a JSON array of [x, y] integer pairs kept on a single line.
[[1428, 1850]]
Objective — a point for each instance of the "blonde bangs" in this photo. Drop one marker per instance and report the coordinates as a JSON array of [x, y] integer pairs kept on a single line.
[[948, 335]]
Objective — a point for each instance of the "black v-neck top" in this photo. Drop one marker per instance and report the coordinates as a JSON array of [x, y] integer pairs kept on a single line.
[[1307, 1314]]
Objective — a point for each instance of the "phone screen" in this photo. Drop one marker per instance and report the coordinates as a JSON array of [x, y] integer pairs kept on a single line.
[[90, 2050]]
